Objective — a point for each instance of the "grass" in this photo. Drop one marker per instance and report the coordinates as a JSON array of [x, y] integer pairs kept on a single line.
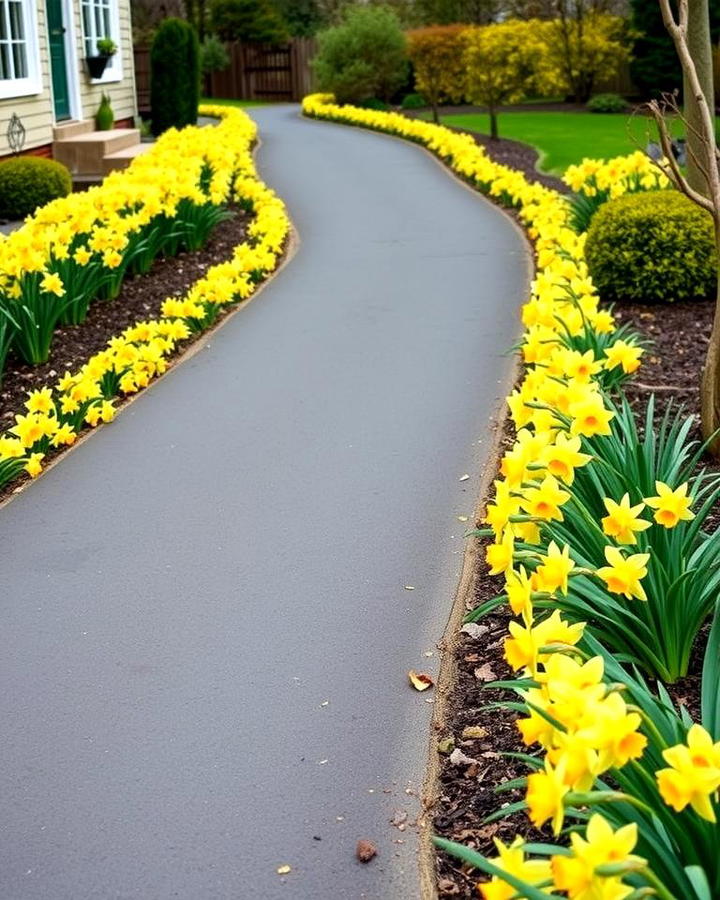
[[565, 138], [240, 103]]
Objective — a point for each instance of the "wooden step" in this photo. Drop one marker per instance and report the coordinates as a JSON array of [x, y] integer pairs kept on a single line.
[[83, 153], [121, 159]]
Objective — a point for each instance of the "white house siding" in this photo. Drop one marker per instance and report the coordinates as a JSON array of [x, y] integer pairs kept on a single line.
[[36, 111], [121, 93]]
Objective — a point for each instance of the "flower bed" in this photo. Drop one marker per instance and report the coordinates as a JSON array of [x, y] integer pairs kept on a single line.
[[599, 533], [80, 248]]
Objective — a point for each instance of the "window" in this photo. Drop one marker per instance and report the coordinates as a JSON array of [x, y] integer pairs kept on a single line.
[[19, 70], [100, 20]]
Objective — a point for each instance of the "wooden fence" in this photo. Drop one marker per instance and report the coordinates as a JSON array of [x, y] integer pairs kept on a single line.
[[256, 72]]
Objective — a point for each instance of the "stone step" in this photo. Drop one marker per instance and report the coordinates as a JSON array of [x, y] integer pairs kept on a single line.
[[84, 153], [121, 159], [72, 129]]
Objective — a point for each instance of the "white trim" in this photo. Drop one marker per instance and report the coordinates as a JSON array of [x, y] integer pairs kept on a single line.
[[25, 87], [114, 69], [72, 62]]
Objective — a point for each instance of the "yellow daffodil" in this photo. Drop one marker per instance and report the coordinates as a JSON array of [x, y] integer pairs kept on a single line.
[[693, 776], [623, 574], [671, 506], [623, 520], [511, 859], [554, 569], [626, 356]]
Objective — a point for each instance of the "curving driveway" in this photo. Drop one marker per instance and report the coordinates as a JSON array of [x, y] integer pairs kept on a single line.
[[204, 627]]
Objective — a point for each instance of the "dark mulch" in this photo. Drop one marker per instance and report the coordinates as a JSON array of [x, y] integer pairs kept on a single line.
[[679, 333], [140, 298]]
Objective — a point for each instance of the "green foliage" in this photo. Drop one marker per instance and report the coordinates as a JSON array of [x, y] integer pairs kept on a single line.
[[607, 103], [175, 76], [653, 246], [303, 18], [413, 101], [252, 21], [364, 56], [374, 103], [213, 55], [104, 117], [28, 182], [106, 47]]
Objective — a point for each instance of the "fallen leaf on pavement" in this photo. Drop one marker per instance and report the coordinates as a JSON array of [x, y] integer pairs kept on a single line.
[[420, 680], [365, 850], [284, 870], [465, 478], [409, 587]]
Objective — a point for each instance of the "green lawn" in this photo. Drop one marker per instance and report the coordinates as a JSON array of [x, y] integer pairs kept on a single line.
[[241, 103], [564, 138]]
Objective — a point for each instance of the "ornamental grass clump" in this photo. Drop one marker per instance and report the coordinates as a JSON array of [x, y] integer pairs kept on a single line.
[[652, 247], [609, 566]]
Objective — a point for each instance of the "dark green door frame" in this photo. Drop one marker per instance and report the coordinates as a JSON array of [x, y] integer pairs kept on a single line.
[[58, 58]]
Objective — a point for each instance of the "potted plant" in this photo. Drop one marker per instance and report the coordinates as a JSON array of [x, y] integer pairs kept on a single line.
[[96, 65]]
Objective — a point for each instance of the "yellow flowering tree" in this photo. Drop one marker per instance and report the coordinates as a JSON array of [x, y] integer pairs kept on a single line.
[[502, 63], [436, 55], [580, 45]]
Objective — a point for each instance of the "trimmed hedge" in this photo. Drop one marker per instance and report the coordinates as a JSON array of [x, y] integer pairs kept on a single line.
[[29, 182], [655, 246]]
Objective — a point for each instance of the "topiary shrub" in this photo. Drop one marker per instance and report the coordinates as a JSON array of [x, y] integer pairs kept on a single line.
[[654, 246], [29, 182], [607, 103], [174, 76]]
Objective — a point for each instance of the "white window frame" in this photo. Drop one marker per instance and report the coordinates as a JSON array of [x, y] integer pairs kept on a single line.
[[32, 84], [113, 71]]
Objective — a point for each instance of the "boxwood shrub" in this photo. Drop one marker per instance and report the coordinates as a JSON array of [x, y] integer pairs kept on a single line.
[[28, 182], [652, 246]]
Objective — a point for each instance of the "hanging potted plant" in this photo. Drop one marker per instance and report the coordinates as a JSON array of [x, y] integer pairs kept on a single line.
[[96, 65]]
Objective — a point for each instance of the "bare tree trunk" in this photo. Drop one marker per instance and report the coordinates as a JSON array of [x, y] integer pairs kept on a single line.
[[705, 162], [700, 47], [493, 122]]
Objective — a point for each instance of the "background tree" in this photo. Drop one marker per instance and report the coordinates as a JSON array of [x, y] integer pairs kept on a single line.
[[303, 18], [147, 15], [436, 53], [174, 76], [363, 57], [253, 21], [447, 12], [502, 62], [706, 163], [583, 44]]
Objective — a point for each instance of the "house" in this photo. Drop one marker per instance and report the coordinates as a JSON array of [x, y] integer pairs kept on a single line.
[[45, 81]]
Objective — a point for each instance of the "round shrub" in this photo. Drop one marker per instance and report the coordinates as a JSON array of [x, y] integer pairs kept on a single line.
[[28, 182], [652, 246], [607, 103], [413, 101]]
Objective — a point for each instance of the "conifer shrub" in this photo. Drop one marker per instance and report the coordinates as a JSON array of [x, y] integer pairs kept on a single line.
[[655, 246], [174, 76]]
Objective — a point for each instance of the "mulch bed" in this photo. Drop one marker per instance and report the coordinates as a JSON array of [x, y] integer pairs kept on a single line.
[[140, 298], [679, 334]]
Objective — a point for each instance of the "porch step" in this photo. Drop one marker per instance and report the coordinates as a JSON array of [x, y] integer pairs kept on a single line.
[[121, 159], [84, 153], [71, 129]]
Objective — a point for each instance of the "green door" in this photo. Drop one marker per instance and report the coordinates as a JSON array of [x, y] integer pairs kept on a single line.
[[58, 63]]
